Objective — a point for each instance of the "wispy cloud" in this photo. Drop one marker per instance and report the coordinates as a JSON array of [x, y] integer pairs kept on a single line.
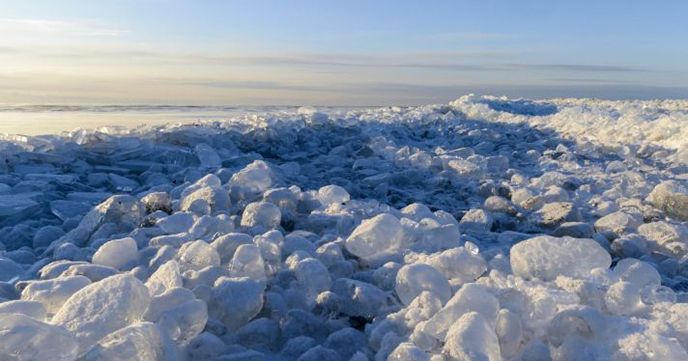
[[439, 61], [579, 68], [83, 28]]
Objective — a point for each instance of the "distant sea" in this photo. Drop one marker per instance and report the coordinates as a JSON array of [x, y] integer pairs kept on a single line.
[[53, 119]]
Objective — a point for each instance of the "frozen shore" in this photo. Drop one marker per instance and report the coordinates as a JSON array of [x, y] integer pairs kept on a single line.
[[483, 229]]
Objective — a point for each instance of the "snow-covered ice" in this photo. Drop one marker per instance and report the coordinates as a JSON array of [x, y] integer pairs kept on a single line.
[[483, 229]]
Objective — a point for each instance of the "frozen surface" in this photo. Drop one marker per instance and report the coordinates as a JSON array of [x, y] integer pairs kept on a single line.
[[483, 229]]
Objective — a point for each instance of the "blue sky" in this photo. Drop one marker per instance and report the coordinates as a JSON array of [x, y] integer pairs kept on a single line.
[[338, 52]]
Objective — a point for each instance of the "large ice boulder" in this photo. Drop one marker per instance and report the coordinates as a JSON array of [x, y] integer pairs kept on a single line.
[[546, 257], [671, 197], [26, 339], [376, 237], [102, 308]]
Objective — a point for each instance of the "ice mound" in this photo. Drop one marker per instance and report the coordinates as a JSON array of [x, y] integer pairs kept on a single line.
[[546, 257], [484, 229], [103, 307], [27, 339]]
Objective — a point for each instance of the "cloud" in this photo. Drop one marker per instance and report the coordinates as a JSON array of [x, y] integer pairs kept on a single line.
[[595, 68], [46, 26], [237, 84]]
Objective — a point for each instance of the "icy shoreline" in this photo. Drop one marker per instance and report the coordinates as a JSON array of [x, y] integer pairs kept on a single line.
[[484, 229]]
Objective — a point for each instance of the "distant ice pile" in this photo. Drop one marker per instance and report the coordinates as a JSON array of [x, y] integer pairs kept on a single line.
[[486, 229]]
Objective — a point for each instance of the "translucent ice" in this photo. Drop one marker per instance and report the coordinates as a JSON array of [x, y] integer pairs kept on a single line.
[[53, 293], [26, 339], [546, 257], [237, 300], [197, 255], [418, 277], [142, 341], [376, 237], [103, 307]]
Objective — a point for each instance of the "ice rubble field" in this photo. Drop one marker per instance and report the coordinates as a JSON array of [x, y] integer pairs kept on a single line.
[[486, 229]]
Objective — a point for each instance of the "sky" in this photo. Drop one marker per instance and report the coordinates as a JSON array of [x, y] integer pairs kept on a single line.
[[327, 52]]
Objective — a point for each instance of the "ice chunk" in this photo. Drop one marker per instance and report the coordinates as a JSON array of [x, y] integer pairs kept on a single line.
[[418, 277], [33, 309], [237, 300], [509, 331], [103, 307], [47, 235], [618, 223], [11, 204], [259, 333], [93, 272], [141, 342], [470, 298], [179, 314], [672, 238], [9, 269], [472, 338], [117, 253], [332, 194], [575, 230], [546, 257], [458, 264], [227, 244], [346, 342], [360, 298], [122, 210], [637, 272], [407, 351], [476, 220], [26, 339], [261, 214], [671, 197], [176, 223], [254, 179], [164, 278], [205, 200], [197, 255], [312, 277], [554, 214], [207, 156], [54, 293], [248, 262], [376, 237], [157, 201]]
